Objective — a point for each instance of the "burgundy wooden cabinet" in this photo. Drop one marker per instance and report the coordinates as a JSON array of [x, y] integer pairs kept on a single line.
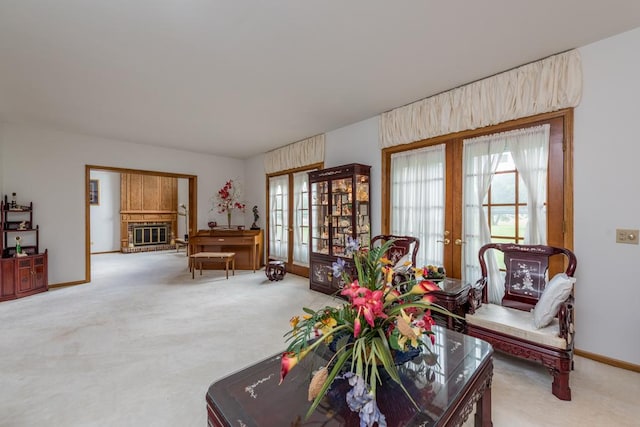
[[23, 276]]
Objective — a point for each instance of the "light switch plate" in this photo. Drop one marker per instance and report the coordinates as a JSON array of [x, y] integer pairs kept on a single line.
[[628, 236]]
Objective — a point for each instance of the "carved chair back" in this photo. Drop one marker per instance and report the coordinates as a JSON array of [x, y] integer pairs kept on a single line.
[[401, 246], [525, 271]]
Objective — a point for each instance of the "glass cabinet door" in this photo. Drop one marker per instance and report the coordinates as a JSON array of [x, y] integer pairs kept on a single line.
[[320, 217], [363, 232], [341, 215]]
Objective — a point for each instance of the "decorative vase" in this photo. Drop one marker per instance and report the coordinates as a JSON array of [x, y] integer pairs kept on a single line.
[[228, 219]]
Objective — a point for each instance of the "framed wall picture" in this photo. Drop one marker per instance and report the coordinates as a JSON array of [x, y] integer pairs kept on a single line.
[[94, 192]]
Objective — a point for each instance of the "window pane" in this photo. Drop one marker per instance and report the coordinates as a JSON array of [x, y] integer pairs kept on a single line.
[[503, 221], [503, 188]]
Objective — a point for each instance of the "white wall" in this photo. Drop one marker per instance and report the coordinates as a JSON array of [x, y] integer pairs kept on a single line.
[[255, 190], [358, 143], [48, 167], [183, 198], [105, 217], [606, 172]]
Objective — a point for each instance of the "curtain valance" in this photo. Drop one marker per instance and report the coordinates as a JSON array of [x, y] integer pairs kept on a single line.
[[540, 87], [296, 155]]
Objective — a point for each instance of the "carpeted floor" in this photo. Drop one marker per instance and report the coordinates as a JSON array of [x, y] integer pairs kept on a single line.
[[141, 344]]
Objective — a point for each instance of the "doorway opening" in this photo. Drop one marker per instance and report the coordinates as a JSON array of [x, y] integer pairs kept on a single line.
[[187, 212]]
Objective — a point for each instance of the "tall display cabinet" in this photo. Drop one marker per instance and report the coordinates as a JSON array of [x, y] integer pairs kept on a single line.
[[339, 208]]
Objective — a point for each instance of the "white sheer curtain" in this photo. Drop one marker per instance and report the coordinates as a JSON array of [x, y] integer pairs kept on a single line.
[[530, 152], [278, 216], [417, 199], [529, 148], [301, 218], [480, 161]]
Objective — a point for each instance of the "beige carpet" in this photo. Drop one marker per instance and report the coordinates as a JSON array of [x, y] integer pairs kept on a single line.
[[141, 344]]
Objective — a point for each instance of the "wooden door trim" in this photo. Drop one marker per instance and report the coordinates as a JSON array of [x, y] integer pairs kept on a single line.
[[291, 267], [193, 206]]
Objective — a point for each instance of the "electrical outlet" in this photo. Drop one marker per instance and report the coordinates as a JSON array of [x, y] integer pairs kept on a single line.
[[628, 236]]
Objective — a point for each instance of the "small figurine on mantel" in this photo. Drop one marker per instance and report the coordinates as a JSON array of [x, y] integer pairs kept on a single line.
[[254, 226]]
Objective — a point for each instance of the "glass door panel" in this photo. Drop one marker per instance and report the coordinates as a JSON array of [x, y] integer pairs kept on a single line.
[[320, 217], [279, 217], [361, 209]]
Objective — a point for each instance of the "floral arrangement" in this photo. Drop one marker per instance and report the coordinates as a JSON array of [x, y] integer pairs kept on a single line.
[[378, 322], [228, 199]]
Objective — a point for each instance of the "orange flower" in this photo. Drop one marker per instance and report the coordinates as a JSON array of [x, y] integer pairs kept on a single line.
[[424, 287]]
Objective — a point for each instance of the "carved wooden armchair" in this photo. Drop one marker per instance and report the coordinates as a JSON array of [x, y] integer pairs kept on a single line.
[[516, 326], [403, 248]]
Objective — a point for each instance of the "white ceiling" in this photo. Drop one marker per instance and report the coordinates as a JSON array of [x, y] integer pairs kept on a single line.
[[240, 77]]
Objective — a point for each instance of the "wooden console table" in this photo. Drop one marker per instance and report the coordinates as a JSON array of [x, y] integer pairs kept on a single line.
[[445, 393], [246, 244]]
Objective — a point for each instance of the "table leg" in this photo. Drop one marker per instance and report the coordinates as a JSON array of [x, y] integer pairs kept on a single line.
[[226, 267], [192, 267], [253, 257], [233, 264], [200, 265], [483, 408]]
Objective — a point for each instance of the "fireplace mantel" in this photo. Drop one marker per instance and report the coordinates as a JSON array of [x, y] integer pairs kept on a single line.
[[147, 200]]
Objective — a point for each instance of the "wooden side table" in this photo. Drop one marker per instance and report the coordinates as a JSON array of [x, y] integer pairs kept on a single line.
[[200, 257], [452, 296], [275, 270]]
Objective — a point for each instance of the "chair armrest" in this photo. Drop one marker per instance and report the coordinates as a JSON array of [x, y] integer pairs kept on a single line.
[[475, 297], [566, 321]]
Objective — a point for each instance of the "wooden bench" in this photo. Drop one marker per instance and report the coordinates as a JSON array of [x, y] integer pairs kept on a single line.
[[200, 257], [509, 325]]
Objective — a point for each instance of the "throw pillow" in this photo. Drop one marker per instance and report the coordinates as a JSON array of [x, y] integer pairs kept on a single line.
[[403, 265], [555, 293]]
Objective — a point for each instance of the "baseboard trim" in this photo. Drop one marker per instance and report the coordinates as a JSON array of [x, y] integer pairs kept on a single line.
[[107, 252], [62, 285], [608, 360]]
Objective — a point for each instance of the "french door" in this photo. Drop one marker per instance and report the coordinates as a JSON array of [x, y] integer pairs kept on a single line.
[[288, 219], [424, 195]]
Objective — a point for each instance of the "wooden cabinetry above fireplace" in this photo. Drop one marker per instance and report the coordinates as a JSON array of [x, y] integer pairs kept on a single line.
[[150, 201]]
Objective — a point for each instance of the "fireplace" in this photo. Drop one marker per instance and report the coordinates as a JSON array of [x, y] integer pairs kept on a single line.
[[150, 234], [144, 236]]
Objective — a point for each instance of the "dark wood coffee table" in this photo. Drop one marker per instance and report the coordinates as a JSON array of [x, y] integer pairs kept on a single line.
[[445, 393]]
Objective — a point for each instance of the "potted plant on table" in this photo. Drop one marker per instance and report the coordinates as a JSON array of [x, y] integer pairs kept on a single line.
[[379, 322]]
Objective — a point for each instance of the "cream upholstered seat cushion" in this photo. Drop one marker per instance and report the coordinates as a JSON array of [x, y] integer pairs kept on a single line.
[[516, 323]]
